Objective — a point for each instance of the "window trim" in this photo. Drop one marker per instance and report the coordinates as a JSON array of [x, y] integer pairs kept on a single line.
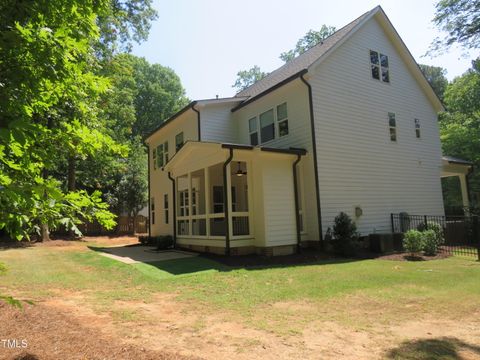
[[379, 66], [276, 125], [178, 145], [394, 127], [282, 120], [256, 132], [154, 158], [418, 127]]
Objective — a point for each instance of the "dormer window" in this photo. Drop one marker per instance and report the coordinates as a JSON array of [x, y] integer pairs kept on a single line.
[[379, 66]]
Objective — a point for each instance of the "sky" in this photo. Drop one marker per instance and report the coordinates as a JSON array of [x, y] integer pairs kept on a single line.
[[206, 42]]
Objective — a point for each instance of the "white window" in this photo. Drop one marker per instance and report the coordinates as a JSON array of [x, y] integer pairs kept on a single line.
[[379, 66], [165, 152], [253, 131], [417, 128], [152, 210], [178, 141], [392, 124], [165, 207], [183, 203], [160, 155], [282, 119], [267, 126]]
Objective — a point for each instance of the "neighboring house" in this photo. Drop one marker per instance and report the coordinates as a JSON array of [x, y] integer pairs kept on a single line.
[[350, 125]]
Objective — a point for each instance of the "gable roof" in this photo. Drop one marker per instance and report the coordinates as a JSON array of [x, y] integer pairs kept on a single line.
[[312, 57], [301, 62]]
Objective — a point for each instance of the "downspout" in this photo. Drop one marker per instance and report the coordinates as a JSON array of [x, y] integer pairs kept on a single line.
[[297, 207], [174, 201], [315, 161], [225, 202], [198, 122], [149, 199]]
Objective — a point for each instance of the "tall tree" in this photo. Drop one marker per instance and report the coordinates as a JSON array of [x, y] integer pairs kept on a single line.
[[308, 41], [45, 62], [460, 20], [436, 77], [246, 78]]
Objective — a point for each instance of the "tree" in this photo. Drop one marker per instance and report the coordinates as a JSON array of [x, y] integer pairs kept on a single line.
[[246, 78], [460, 124], [123, 22], [46, 67], [460, 19], [436, 77], [308, 41]]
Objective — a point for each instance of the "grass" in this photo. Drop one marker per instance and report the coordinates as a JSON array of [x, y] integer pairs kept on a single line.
[[280, 299]]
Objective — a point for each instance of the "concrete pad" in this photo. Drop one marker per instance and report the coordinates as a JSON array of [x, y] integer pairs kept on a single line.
[[139, 253]]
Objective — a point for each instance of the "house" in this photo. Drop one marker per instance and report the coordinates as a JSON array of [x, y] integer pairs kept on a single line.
[[350, 125]]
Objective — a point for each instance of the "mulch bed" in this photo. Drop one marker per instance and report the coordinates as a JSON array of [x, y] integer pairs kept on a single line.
[[306, 256], [409, 257], [51, 334]]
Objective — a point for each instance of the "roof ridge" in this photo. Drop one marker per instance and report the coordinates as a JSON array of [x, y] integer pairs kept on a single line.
[[304, 55]]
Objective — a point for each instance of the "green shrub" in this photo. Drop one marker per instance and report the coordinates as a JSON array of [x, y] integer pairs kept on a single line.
[[430, 242], [436, 228], [344, 235], [413, 241]]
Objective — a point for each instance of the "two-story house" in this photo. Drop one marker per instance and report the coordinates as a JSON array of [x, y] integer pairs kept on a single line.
[[350, 125]]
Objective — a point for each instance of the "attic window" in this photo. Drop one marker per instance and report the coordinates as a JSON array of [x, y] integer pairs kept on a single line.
[[379, 66]]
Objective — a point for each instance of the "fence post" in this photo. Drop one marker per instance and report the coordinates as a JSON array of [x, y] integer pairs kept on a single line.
[[426, 222]]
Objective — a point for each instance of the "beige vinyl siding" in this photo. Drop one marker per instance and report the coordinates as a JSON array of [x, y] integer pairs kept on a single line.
[[160, 184], [358, 164], [279, 202], [216, 123], [295, 94]]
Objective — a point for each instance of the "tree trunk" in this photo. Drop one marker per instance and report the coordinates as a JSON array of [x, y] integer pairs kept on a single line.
[[44, 232], [71, 184]]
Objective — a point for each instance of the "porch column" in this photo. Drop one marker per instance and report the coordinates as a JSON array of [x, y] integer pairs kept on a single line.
[[464, 188], [229, 200]]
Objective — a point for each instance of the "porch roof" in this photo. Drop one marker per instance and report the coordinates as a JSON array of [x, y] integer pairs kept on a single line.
[[213, 147], [452, 166]]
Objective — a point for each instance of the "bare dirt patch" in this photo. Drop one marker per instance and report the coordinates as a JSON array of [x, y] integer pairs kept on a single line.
[[52, 334], [409, 257]]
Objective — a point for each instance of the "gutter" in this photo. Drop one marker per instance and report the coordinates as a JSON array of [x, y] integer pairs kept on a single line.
[[149, 204], [315, 161], [174, 202], [198, 120], [269, 90], [225, 202], [297, 206]]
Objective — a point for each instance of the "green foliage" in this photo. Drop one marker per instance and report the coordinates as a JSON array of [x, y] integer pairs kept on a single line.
[[460, 19], [344, 235], [430, 242], [413, 241], [436, 77], [308, 41], [246, 78], [436, 228]]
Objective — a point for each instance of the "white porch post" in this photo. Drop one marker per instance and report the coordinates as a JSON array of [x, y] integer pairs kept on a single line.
[[229, 200], [207, 201], [190, 225], [464, 188]]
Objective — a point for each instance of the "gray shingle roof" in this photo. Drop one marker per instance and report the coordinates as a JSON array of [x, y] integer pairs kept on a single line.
[[456, 160], [302, 61]]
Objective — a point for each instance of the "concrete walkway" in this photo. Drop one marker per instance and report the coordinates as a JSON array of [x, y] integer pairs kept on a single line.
[[138, 253]]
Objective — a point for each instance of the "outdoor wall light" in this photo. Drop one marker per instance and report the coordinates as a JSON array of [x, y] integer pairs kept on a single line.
[[358, 211], [239, 171]]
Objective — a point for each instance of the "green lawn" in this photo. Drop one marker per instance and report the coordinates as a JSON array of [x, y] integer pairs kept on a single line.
[[359, 294]]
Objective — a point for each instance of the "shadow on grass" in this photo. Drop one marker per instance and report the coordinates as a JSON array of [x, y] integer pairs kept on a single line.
[[444, 348]]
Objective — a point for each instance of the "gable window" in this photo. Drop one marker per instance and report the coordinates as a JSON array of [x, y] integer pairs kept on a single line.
[[267, 126], [154, 158], [379, 66], [152, 210], [417, 128], [282, 119], [165, 152], [165, 207], [392, 124], [178, 141], [160, 156], [253, 131]]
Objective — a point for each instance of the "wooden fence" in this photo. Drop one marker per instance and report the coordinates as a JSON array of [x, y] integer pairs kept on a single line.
[[124, 226]]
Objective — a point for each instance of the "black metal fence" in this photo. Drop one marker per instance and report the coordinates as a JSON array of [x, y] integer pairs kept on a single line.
[[461, 233]]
